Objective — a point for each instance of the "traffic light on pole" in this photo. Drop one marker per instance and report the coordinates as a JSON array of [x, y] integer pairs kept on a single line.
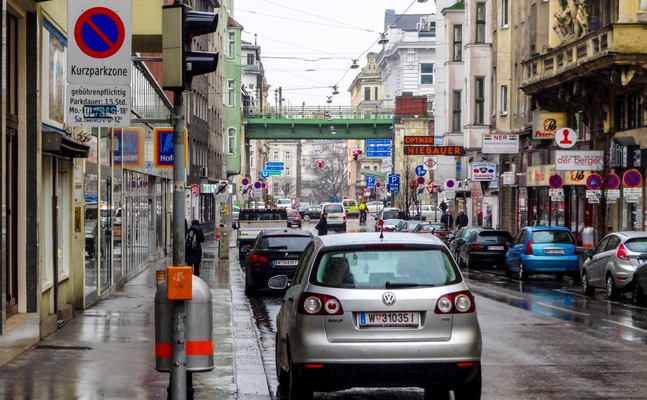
[[356, 154], [179, 63], [320, 162]]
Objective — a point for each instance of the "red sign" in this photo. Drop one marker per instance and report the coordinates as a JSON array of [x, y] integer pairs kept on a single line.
[[430, 188], [421, 180], [556, 181], [195, 189], [632, 178], [611, 181], [594, 181]]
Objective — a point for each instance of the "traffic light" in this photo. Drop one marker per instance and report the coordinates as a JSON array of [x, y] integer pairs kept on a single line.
[[356, 154], [320, 162], [179, 63]]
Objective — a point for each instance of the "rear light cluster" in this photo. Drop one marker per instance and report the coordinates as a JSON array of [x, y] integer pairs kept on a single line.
[[476, 247], [529, 249], [319, 304], [621, 253], [257, 258], [456, 303], [297, 216], [344, 216]]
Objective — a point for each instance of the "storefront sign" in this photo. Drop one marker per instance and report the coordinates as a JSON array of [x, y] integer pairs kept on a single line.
[[579, 160], [509, 178], [540, 176], [576, 177], [500, 144], [640, 158], [484, 171], [545, 125], [621, 151]]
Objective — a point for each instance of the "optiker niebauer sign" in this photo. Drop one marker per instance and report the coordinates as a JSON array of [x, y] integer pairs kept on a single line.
[[579, 160]]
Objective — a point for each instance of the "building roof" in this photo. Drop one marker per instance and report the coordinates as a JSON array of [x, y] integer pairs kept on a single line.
[[232, 23], [458, 6], [405, 22]]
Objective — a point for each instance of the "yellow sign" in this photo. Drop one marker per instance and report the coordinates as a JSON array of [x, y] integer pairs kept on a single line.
[[540, 176], [225, 210]]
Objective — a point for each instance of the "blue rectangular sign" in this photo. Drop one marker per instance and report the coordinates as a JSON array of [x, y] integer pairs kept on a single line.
[[274, 168], [370, 182], [378, 141], [273, 164], [378, 154], [379, 148]]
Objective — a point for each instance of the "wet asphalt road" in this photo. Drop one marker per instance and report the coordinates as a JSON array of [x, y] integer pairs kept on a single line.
[[542, 340]]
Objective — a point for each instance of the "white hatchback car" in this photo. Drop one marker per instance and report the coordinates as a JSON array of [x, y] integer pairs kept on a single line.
[[336, 216]]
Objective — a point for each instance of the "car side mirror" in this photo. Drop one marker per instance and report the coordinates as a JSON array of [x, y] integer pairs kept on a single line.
[[589, 253], [278, 282], [462, 241]]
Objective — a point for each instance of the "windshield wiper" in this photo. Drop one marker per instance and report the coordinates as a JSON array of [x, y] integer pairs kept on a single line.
[[392, 285]]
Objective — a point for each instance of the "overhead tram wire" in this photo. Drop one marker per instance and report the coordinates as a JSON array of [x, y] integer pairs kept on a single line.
[[309, 22]]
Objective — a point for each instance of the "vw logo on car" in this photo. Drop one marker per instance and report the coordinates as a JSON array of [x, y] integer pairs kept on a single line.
[[388, 299]]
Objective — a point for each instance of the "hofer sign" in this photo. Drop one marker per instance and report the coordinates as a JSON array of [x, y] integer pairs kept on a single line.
[[579, 160]]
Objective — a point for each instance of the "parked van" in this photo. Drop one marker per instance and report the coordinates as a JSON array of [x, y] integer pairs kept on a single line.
[[336, 216], [284, 203], [351, 207]]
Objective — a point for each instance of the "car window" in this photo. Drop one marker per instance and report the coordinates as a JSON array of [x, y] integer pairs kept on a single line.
[[638, 245], [349, 203], [333, 208], [493, 236], [614, 241], [602, 245], [262, 215], [371, 269], [304, 260], [284, 242], [549, 236]]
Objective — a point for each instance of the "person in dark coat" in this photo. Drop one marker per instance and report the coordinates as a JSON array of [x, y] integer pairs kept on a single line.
[[322, 226], [447, 219], [461, 220], [193, 256]]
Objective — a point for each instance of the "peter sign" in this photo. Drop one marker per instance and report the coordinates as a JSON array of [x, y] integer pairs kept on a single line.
[[545, 125]]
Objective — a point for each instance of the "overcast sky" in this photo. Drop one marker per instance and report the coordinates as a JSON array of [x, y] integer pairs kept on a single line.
[[307, 46]]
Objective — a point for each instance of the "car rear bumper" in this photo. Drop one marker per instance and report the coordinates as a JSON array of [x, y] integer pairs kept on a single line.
[[336, 376], [259, 278], [551, 263], [487, 257]]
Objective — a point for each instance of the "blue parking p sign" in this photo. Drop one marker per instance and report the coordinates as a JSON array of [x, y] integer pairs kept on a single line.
[[394, 183], [370, 182]]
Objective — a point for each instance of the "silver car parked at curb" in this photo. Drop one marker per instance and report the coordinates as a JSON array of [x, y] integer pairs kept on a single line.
[[373, 310]]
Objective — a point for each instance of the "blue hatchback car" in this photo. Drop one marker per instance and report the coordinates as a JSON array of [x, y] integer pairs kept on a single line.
[[542, 249]]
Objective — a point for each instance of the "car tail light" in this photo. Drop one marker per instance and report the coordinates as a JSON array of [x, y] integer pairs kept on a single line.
[[319, 304], [257, 258], [621, 253], [297, 217], [344, 216], [529, 249], [476, 247], [456, 303]]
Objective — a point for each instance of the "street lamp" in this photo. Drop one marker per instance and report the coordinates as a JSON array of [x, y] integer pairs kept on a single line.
[[383, 39]]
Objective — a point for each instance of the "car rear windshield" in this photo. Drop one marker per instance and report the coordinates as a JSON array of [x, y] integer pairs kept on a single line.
[[494, 237], [638, 245], [545, 237], [283, 201], [384, 269], [284, 242], [393, 215], [334, 208], [438, 227], [292, 213], [348, 203], [262, 215]]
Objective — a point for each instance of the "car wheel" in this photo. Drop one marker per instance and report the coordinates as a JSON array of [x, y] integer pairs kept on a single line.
[[639, 294], [576, 277], [306, 218], [523, 274], [469, 264], [249, 289], [297, 389], [435, 393], [508, 271], [587, 289], [612, 290], [471, 390]]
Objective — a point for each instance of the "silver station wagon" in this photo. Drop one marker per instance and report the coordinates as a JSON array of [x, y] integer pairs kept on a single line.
[[366, 310]]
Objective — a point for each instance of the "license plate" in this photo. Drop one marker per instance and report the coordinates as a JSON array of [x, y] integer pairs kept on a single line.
[[495, 247], [286, 263], [386, 319], [554, 251]]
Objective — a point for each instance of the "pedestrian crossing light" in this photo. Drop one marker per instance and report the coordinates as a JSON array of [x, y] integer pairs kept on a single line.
[[320, 162], [179, 63]]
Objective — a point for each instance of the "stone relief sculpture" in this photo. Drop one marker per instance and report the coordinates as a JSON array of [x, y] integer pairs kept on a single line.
[[571, 21]]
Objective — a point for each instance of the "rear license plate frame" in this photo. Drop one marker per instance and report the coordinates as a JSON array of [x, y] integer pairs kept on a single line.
[[395, 319], [286, 263]]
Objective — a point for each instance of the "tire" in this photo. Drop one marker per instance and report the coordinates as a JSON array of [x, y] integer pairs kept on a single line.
[[249, 289], [587, 289], [576, 277], [435, 393], [612, 291], [639, 294], [508, 271], [297, 389], [471, 390], [306, 218], [469, 264], [523, 274]]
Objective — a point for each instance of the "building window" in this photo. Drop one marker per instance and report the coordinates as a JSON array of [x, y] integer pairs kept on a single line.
[[275, 156], [376, 96], [231, 48], [480, 22], [479, 101], [504, 13], [427, 74], [456, 121], [504, 99], [231, 141], [275, 188], [458, 43], [288, 172], [231, 93], [628, 112], [367, 93], [250, 59], [288, 155]]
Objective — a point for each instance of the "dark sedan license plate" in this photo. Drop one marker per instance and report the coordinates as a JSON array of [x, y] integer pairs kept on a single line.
[[386, 319], [495, 247], [554, 251], [286, 263]]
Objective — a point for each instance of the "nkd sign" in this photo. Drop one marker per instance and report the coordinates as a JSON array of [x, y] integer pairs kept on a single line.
[[580, 160]]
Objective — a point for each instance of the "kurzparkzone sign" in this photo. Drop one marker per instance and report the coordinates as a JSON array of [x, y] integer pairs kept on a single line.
[[579, 160]]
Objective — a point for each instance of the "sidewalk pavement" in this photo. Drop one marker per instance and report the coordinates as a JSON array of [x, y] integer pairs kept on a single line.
[[108, 351]]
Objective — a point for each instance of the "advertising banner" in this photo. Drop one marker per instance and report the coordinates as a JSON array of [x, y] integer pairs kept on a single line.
[[579, 160], [545, 124], [484, 171], [500, 144]]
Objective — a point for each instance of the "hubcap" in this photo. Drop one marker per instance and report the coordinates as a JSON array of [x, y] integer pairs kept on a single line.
[[585, 282], [609, 286]]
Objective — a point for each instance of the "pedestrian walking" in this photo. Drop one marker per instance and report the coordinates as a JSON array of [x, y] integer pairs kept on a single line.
[[461, 220], [322, 226], [447, 219], [193, 252]]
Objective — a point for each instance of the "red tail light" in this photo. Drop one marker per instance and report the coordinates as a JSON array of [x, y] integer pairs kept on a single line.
[[344, 216], [256, 258], [529, 249], [319, 304], [621, 253], [476, 247], [456, 303], [297, 217]]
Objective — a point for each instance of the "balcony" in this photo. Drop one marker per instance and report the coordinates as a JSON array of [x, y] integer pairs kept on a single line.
[[616, 46]]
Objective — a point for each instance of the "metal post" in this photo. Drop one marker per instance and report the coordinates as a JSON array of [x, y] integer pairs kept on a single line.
[[178, 367], [393, 158]]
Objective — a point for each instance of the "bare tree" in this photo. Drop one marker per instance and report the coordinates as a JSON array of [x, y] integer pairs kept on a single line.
[[332, 178], [284, 185], [406, 197]]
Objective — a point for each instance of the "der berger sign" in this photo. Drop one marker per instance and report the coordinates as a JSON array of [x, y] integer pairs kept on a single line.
[[424, 145], [579, 160]]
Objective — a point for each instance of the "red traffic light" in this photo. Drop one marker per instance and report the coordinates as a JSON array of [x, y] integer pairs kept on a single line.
[[320, 162]]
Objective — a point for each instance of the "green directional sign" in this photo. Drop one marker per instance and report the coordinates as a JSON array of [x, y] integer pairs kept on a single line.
[[275, 172]]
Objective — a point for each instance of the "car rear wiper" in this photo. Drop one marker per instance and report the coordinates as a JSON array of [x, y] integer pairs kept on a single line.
[[277, 247], [393, 285]]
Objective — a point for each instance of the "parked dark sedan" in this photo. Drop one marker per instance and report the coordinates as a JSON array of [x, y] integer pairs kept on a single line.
[[461, 237], [275, 252], [487, 246], [294, 219], [639, 284], [433, 228], [309, 213], [409, 226]]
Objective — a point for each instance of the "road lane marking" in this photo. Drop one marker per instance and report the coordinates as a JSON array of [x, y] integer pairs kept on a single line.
[[564, 309], [625, 325]]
